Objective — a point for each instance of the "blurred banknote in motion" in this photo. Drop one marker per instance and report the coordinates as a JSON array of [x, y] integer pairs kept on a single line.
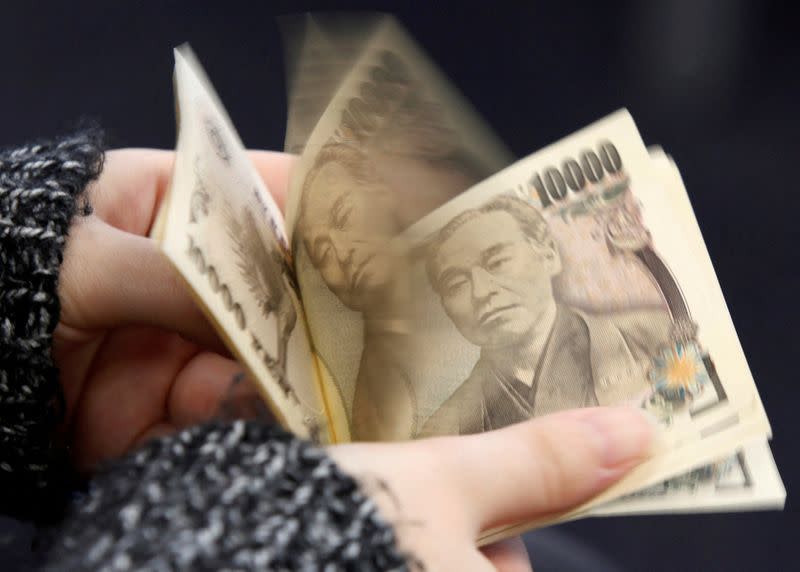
[[574, 278], [394, 142], [423, 283]]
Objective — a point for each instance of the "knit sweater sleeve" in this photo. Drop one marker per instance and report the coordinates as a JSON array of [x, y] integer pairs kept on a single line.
[[240, 495], [41, 190], [237, 495]]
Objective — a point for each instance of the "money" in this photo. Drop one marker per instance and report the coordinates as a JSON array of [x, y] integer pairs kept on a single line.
[[223, 232], [395, 142], [564, 281], [745, 479], [420, 284], [319, 52]]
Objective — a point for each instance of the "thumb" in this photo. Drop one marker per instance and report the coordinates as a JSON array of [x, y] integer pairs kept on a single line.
[[112, 278], [549, 464]]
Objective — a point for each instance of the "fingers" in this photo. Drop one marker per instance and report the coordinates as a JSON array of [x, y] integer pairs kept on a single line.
[[134, 181], [145, 383], [113, 275], [113, 278], [545, 465], [126, 392], [200, 387], [154, 432], [508, 555], [441, 493]]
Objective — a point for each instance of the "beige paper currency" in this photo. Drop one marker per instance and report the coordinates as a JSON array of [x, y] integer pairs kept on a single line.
[[559, 283], [319, 51], [395, 142], [224, 234], [746, 479], [575, 277]]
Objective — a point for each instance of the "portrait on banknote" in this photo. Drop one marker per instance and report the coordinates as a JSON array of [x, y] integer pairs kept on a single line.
[[493, 269], [346, 220], [419, 285], [392, 158], [554, 306], [224, 233]]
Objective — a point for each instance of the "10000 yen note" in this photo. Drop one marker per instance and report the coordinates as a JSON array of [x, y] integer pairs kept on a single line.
[[576, 277], [223, 232], [395, 142], [559, 283], [746, 479]]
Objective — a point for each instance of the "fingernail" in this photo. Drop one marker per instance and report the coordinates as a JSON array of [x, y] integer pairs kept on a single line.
[[622, 434]]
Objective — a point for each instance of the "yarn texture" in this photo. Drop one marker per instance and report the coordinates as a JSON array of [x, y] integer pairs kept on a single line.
[[240, 495], [41, 189], [225, 495]]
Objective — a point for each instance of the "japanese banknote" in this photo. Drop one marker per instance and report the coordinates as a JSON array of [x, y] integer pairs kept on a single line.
[[423, 283]]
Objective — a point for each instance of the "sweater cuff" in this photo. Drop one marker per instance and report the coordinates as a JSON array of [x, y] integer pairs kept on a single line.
[[245, 495], [41, 190]]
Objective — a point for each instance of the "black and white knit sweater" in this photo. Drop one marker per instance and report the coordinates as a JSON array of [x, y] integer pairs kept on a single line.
[[40, 192], [236, 495]]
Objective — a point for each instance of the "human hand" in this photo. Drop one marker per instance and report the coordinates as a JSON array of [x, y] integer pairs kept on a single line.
[[136, 356], [441, 493]]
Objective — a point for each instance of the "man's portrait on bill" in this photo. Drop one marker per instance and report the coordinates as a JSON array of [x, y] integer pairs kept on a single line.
[[346, 221], [493, 269], [393, 159]]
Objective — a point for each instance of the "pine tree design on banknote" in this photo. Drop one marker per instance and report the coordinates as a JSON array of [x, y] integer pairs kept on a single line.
[[255, 249], [258, 250]]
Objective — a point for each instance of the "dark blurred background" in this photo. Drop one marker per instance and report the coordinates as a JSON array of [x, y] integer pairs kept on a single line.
[[714, 82]]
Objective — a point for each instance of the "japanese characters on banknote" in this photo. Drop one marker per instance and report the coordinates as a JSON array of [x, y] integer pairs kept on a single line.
[[422, 284]]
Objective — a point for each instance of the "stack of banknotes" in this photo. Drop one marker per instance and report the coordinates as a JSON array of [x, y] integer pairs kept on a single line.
[[422, 281]]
